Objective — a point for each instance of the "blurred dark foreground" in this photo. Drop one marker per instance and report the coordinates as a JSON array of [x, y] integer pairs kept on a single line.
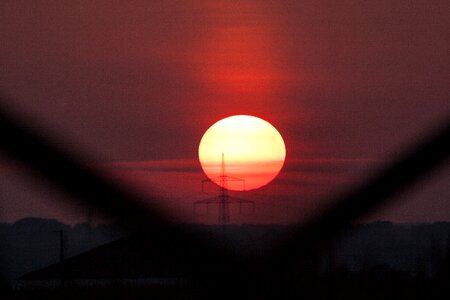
[[370, 284], [372, 261]]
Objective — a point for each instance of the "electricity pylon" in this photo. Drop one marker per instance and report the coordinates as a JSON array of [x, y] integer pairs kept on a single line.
[[223, 199]]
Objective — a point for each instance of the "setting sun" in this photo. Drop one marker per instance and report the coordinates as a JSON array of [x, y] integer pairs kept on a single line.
[[252, 148]]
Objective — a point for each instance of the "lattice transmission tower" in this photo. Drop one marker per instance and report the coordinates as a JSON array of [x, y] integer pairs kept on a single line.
[[223, 200]]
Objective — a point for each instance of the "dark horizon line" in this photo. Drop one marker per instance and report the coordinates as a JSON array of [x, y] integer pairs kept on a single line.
[[218, 225]]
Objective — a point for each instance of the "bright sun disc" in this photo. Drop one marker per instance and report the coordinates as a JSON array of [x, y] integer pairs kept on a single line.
[[253, 150]]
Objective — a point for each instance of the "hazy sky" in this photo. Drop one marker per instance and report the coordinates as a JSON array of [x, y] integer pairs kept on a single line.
[[134, 85]]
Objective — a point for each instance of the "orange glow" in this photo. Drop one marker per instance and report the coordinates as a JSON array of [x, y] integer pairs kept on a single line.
[[253, 150], [238, 55]]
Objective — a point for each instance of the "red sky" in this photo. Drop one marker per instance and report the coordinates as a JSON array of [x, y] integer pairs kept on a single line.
[[134, 85]]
